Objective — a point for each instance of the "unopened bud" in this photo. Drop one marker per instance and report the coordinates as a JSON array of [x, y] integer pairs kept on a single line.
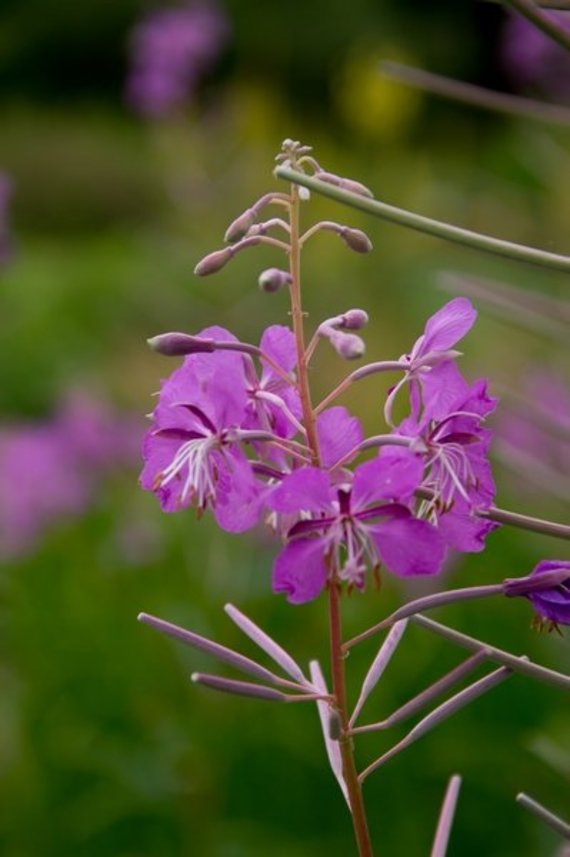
[[240, 226], [356, 187], [347, 345], [176, 344], [354, 319], [356, 239], [273, 279], [346, 184], [213, 262]]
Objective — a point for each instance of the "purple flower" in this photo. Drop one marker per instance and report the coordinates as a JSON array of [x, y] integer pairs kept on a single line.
[[50, 470], [454, 446], [40, 484], [191, 454], [170, 50], [549, 597], [359, 523], [273, 404], [535, 436], [432, 352], [531, 58]]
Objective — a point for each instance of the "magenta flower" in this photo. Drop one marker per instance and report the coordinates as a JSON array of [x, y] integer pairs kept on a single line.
[[550, 598], [273, 404], [454, 447], [191, 453], [170, 50], [361, 524], [432, 351]]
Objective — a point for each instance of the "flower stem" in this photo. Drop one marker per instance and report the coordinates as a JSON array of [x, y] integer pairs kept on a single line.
[[345, 741], [350, 774], [475, 240], [298, 327]]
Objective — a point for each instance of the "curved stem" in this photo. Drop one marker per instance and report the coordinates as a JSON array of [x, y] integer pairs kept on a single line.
[[475, 240]]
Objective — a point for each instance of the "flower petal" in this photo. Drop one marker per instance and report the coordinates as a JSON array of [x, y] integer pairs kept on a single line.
[[239, 495], [305, 489], [278, 342], [339, 433], [448, 325], [393, 475], [300, 571], [409, 546]]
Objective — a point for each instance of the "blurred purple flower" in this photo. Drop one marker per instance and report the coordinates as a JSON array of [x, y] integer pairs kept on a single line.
[[535, 434], [170, 50], [50, 470], [531, 58]]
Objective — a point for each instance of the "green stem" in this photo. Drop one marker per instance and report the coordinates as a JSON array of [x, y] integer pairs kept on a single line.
[[477, 96], [475, 240], [350, 774]]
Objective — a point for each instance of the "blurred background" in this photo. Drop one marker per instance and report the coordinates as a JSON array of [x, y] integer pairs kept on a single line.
[[130, 135]]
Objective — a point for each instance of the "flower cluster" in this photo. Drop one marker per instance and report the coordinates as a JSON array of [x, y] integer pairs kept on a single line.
[[227, 438], [53, 467], [170, 51]]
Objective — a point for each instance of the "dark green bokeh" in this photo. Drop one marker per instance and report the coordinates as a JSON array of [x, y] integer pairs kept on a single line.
[[105, 747]]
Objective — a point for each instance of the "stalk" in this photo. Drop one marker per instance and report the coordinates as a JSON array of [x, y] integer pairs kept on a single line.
[[349, 771]]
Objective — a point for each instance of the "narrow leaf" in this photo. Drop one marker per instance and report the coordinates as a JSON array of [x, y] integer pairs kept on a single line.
[[265, 642], [379, 664]]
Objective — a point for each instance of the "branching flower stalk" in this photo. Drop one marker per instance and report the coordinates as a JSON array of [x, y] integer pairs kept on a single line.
[[235, 432]]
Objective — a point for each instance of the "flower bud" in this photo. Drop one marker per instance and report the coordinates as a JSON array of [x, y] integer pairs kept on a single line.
[[273, 279], [356, 187], [213, 262], [356, 239], [354, 319], [176, 344], [240, 226], [346, 184], [347, 345]]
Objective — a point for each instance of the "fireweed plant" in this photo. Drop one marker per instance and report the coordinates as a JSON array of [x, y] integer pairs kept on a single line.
[[236, 432]]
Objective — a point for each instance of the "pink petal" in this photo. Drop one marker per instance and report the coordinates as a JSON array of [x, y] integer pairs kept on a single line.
[[300, 571], [409, 546], [447, 326], [394, 475], [339, 433], [305, 489]]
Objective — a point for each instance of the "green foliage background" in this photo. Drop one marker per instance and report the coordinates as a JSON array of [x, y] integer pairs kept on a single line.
[[105, 747]]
